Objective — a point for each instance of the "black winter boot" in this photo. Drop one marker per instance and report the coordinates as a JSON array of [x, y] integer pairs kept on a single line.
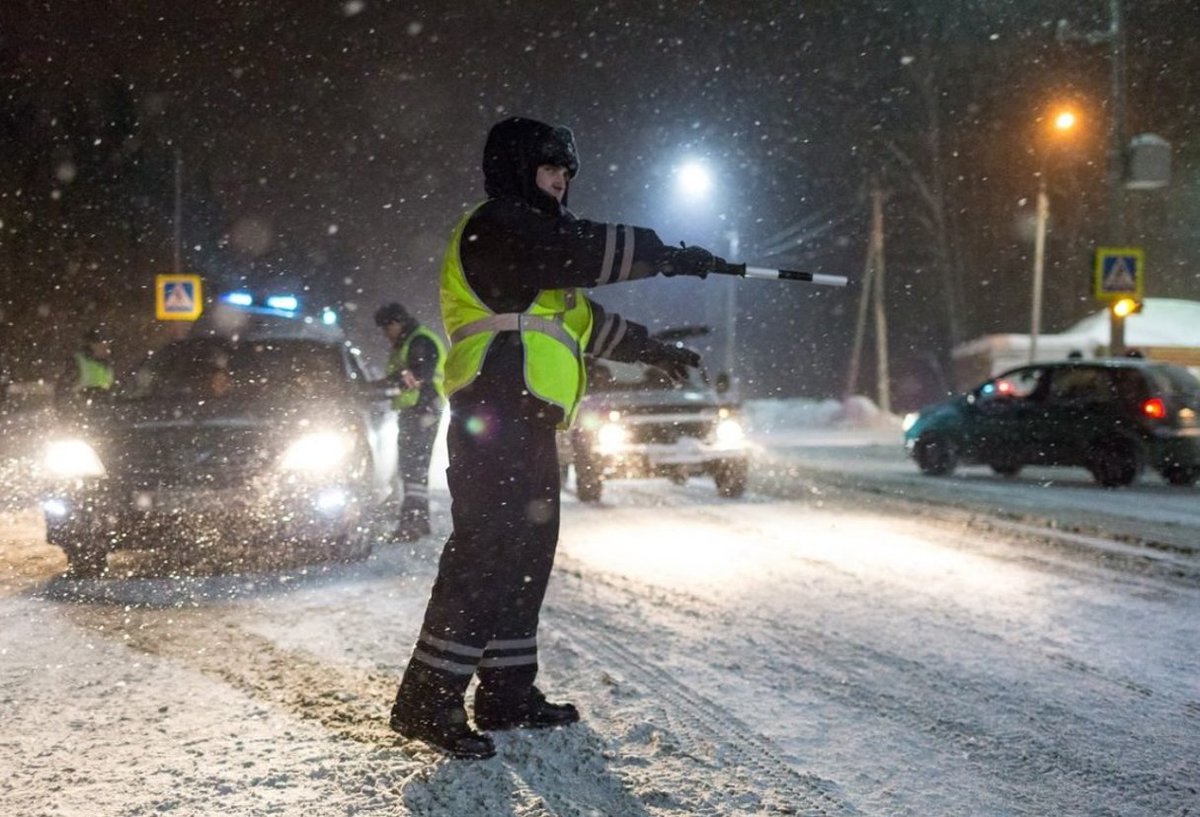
[[446, 731], [429, 708], [526, 710], [412, 527]]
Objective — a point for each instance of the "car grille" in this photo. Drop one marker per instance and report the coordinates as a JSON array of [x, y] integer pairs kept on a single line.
[[191, 457], [648, 433]]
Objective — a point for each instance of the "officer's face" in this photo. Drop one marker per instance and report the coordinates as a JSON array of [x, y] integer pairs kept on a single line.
[[391, 330], [552, 179]]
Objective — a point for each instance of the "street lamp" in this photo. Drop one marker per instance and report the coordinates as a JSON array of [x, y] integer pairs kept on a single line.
[[694, 180], [694, 184], [1064, 122]]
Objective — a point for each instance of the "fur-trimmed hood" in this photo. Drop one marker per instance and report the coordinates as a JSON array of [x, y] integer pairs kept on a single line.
[[514, 150]]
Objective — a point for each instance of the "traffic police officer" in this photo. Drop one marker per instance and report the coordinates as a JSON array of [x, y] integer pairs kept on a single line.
[[90, 370], [416, 367], [519, 325]]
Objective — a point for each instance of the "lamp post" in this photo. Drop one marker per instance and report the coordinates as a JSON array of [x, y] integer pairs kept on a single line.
[[1064, 122], [694, 184]]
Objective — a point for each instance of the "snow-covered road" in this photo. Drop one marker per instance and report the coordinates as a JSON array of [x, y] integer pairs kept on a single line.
[[751, 657]]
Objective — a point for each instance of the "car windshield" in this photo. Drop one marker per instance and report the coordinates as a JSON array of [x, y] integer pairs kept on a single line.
[[208, 369], [1175, 381], [610, 376]]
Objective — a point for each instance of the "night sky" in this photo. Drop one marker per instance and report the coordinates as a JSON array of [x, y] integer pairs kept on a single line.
[[328, 147]]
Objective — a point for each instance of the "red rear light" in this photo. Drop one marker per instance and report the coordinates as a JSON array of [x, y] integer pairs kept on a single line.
[[1154, 408]]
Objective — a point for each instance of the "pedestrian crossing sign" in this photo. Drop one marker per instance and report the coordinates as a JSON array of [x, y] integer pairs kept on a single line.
[[1120, 273], [177, 297]]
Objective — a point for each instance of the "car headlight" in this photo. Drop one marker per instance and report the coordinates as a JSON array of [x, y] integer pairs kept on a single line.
[[611, 437], [72, 458], [729, 431], [910, 420], [317, 453]]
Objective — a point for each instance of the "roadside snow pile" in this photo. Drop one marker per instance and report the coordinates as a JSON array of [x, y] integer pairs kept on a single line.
[[800, 414]]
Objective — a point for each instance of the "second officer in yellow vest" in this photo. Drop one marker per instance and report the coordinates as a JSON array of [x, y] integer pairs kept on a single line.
[[415, 366], [89, 372], [519, 325]]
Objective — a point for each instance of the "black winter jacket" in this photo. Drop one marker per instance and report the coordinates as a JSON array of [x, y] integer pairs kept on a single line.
[[521, 241]]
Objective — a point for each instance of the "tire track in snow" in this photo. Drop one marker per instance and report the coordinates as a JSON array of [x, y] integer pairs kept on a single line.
[[701, 723], [1007, 730]]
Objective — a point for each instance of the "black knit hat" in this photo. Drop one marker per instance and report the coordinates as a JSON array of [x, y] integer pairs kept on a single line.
[[391, 313]]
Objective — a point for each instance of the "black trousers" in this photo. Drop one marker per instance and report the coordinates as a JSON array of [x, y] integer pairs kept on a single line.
[[417, 432], [483, 611]]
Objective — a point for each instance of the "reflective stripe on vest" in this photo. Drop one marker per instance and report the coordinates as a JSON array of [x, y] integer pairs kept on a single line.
[[93, 374], [398, 361], [553, 330]]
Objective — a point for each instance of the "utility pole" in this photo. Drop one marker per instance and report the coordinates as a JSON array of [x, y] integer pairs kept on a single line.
[[881, 347], [1116, 146], [873, 282], [1039, 265], [178, 266], [1116, 125], [731, 310], [1114, 38]]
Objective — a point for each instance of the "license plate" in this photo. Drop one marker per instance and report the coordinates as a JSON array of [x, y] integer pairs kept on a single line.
[[179, 501]]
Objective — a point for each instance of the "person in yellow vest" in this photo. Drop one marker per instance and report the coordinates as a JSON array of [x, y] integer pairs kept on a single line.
[[519, 325], [415, 366], [89, 372]]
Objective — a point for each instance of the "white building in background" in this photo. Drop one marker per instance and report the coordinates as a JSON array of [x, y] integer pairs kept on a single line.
[[1166, 329]]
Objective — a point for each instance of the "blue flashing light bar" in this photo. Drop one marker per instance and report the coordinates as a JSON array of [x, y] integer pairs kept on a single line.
[[288, 303], [238, 298]]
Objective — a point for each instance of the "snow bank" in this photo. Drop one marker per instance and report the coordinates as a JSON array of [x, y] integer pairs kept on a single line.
[[767, 417]]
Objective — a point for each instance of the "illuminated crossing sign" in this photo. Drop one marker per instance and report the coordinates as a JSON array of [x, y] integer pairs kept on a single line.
[[1120, 273], [177, 297]]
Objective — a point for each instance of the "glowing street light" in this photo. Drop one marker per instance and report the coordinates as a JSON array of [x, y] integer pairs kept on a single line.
[[1064, 122], [694, 180]]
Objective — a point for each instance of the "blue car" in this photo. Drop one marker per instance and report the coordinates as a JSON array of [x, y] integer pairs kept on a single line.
[[1114, 417]]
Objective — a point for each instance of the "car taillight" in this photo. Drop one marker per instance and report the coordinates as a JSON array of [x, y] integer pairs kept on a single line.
[[1154, 408]]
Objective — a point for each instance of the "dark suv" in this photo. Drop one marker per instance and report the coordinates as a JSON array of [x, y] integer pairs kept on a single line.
[[274, 442], [1113, 417]]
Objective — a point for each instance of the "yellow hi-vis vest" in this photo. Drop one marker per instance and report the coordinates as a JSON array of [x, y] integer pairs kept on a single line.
[[554, 332], [398, 361], [93, 374]]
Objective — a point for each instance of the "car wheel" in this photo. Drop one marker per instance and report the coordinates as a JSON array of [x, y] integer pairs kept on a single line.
[[588, 485], [1177, 474], [935, 454], [1006, 468], [730, 478], [1114, 462], [85, 560], [353, 546], [589, 482]]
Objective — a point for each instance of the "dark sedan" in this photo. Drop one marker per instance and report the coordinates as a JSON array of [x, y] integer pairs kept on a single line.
[[1113, 417], [278, 443]]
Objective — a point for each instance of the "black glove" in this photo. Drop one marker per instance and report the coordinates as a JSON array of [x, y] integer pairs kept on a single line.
[[695, 261], [672, 360]]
